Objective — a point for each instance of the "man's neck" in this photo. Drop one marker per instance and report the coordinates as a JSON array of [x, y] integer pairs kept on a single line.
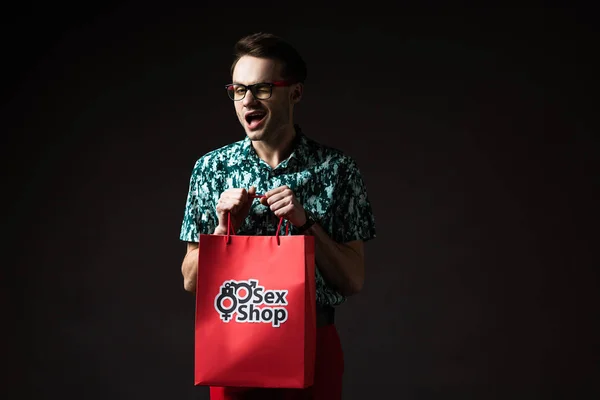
[[278, 149]]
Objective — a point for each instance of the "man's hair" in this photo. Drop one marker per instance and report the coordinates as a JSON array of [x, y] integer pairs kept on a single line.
[[267, 45]]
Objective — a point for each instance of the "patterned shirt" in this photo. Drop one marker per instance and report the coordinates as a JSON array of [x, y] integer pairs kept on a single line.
[[325, 181]]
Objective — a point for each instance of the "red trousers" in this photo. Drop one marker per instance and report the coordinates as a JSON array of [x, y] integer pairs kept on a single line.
[[329, 369]]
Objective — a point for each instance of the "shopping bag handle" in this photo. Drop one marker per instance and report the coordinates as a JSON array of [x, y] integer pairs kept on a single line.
[[231, 230]]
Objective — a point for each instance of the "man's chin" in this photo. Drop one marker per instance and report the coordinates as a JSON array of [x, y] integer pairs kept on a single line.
[[256, 134]]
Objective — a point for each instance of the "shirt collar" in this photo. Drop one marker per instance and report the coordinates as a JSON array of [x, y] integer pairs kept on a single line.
[[299, 153]]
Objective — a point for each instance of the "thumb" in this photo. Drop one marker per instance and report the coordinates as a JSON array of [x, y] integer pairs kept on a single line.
[[252, 190]]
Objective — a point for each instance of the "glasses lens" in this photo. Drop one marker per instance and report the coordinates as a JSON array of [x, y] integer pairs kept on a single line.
[[262, 91], [236, 92]]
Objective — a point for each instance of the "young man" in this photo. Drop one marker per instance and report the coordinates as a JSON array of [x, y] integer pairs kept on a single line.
[[318, 189]]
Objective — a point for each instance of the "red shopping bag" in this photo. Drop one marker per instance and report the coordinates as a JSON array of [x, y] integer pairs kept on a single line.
[[255, 320]]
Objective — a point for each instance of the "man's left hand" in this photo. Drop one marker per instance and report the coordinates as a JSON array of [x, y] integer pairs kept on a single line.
[[284, 204]]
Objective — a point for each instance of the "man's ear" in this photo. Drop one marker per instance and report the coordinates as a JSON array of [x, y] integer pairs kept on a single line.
[[296, 93]]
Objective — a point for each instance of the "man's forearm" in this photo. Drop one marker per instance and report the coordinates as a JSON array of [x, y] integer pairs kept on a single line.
[[189, 265], [340, 264], [189, 270]]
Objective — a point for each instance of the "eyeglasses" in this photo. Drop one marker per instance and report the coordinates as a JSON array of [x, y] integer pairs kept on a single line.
[[260, 91]]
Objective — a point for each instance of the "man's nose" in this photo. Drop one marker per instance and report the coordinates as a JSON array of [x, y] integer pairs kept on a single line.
[[249, 98]]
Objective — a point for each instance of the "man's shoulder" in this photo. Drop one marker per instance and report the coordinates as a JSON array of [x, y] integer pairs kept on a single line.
[[324, 154]]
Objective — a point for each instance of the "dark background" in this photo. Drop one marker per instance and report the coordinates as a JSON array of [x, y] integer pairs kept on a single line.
[[471, 127]]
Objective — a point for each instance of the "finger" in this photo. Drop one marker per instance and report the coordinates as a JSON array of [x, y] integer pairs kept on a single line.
[[279, 197], [235, 193], [284, 211], [247, 202], [281, 203], [226, 205], [236, 200], [222, 207], [232, 192], [276, 190]]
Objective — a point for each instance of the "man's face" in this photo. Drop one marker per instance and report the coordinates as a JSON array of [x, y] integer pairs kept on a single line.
[[262, 119]]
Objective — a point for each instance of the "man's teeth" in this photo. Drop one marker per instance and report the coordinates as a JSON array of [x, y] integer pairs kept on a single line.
[[254, 116]]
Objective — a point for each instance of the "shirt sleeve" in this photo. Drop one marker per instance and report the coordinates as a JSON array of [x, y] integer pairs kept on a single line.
[[353, 216], [199, 215]]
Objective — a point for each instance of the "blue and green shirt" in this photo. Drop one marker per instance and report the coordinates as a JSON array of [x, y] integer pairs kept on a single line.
[[325, 181]]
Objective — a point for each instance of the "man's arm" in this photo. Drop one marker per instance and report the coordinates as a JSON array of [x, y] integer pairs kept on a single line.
[[189, 267], [234, 201], [341, 264]]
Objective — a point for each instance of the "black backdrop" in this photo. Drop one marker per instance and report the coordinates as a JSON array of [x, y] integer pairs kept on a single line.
[[469, 125]]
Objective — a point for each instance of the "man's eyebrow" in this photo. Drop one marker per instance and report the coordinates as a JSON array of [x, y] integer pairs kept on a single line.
[[253, 83]]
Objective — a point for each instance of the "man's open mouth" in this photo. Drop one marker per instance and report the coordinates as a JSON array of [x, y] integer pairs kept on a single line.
[[254, 118]]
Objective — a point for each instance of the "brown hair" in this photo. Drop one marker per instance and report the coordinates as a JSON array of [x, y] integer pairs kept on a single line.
[[267, 45]]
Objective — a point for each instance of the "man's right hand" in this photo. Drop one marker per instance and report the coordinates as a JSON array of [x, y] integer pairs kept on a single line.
[[234, 201]]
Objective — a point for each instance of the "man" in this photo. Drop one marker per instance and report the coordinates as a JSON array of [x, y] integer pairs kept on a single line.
[[318, 189]]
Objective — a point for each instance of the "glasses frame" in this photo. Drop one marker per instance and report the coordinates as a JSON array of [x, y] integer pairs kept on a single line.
[[252, 88]]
